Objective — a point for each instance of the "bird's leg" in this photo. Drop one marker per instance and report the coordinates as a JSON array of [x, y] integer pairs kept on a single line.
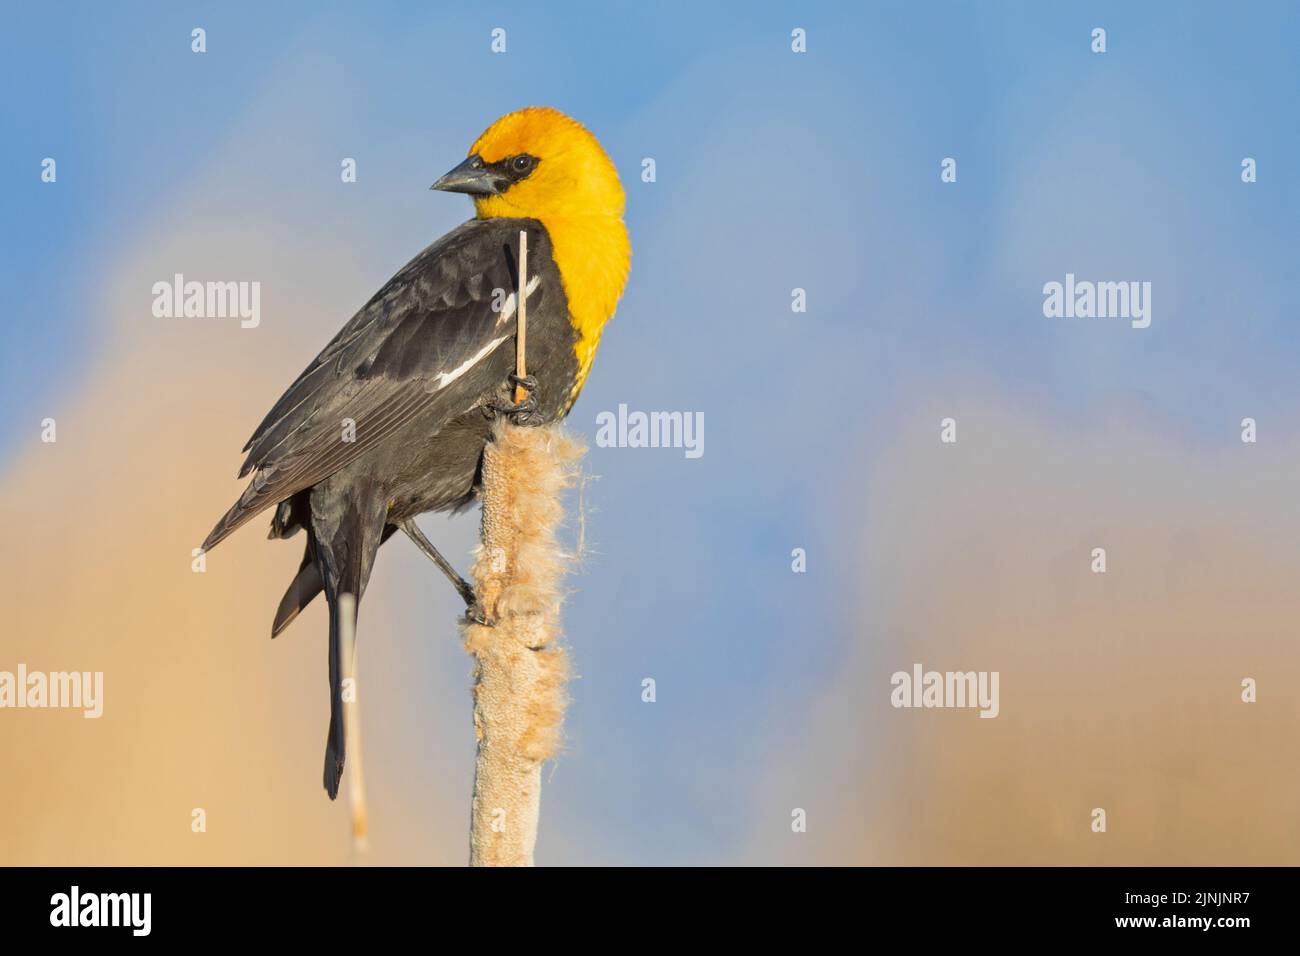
[[524, 413], [463, 587]]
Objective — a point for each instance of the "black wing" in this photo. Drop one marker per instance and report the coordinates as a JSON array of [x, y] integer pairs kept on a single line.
[[397, 358]]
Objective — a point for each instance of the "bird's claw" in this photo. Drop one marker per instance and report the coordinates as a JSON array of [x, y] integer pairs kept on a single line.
[[474, 615], [525, 413]]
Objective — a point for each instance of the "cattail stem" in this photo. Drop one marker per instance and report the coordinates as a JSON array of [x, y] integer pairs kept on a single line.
[[520, 669]]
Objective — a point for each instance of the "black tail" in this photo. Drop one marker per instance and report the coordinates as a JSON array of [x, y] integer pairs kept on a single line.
[[346, 529], [304, 587], [336, 739]]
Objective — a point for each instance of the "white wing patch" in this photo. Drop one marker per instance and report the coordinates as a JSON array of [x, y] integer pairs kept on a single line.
[[443, 379]]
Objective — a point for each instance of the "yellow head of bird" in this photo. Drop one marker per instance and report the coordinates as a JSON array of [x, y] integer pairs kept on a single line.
[[538, 163]]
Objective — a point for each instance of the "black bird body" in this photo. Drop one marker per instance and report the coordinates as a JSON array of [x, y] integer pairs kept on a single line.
[[397, 395], [412, 377]]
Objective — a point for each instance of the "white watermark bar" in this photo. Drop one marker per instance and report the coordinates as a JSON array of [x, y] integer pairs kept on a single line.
[[946, 689], [53, 690], [635, 429]]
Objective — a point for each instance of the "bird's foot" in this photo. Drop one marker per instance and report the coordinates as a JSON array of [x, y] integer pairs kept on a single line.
[[474, 614], [528, 382], [473, 609], [466, 592], [525, 413]]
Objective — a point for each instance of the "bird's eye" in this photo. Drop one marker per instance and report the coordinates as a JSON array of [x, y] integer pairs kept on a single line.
[[522, 163]]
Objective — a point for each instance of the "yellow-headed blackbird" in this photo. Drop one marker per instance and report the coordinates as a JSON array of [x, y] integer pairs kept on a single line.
[[417, 374]]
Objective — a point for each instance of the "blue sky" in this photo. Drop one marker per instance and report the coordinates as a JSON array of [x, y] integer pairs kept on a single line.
[[775, 171], [129, 112]]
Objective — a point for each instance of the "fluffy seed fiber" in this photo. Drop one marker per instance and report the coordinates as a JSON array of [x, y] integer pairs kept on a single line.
[[520, 668]]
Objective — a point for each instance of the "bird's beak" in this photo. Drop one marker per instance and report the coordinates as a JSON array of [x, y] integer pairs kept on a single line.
[[473, 177]]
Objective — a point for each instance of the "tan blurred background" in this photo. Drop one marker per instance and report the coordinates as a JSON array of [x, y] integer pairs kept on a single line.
[[1119, 690]]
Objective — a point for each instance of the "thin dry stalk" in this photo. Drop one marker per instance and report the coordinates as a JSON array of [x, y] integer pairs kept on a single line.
[[352, 726]]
